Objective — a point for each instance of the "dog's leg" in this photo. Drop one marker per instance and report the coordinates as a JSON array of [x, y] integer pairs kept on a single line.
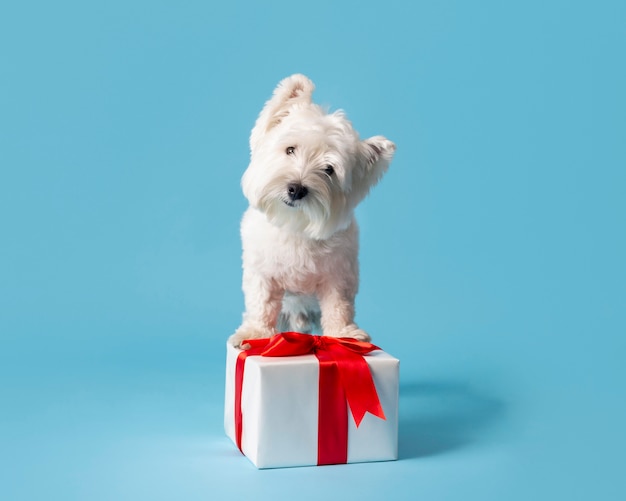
[[338, 315], [263, 301]]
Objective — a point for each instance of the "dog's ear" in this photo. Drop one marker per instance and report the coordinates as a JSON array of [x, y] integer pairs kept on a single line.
[[290, 91], [376, 154]]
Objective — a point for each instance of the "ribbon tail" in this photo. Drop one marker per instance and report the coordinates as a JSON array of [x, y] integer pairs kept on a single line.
[[362, 397]]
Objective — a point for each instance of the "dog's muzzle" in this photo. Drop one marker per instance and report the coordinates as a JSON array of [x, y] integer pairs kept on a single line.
[[296, 191]]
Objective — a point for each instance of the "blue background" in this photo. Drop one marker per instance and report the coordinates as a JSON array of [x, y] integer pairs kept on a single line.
[[493, 252]]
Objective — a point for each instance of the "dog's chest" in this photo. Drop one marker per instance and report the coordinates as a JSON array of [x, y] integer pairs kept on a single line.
[[298, 264], [294, 263]]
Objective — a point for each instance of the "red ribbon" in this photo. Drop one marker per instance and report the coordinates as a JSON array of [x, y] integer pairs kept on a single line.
[[344, 377]]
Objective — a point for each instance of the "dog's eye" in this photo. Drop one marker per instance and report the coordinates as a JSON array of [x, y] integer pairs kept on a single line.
[[290, 150], [329, 170]]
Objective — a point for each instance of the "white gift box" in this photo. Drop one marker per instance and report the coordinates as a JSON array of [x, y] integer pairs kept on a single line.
[[279, 405]]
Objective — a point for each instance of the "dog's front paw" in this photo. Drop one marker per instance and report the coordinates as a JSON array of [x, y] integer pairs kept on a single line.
[[236, 339], [358, 334], [354, 332], [249, 332]]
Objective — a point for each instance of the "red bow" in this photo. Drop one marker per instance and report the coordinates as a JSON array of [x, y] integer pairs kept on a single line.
[[344, 376]]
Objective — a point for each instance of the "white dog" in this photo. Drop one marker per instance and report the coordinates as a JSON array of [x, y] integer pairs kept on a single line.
[[308, 171]]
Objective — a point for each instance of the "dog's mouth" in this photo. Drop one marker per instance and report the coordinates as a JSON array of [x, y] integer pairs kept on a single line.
[[289, 203]]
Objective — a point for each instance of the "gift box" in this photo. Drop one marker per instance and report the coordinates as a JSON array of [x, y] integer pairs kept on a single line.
[[300, 400]]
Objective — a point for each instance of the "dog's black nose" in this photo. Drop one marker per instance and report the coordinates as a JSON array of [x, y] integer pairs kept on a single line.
[[296, 191]]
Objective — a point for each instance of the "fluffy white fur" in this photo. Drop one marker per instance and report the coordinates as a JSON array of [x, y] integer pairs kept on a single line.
[[308, 171]]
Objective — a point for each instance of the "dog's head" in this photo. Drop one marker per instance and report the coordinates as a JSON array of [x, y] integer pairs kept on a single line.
[[309, 169]]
